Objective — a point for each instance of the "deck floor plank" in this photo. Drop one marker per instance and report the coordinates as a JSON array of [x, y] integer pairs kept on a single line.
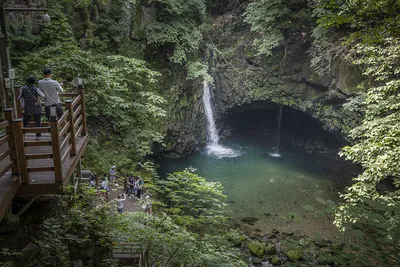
[[41, 182]]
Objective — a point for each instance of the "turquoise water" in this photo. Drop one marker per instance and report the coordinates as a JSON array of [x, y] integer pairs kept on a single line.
[[278, 192]]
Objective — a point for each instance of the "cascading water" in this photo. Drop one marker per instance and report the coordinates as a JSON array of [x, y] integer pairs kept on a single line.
[[213, 148], [276, 154]]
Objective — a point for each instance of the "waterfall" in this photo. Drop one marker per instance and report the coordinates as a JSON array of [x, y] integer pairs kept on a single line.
[[213, 148], [278, 134], [212, 133]]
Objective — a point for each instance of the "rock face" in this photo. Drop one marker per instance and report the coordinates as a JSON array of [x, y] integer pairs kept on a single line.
[[243, 78]]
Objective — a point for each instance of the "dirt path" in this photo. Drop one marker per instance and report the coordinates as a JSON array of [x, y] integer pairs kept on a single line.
[[130, 204]]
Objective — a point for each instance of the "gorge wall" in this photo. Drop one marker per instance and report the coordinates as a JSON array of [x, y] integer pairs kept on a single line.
[[241, 77]]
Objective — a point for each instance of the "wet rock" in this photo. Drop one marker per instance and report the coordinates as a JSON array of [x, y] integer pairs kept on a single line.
[[270, 249], [326, 260], [256, 260], [294, 254], [256, 248], [275, 260], [275, 231], [288, 233], [250, 220]]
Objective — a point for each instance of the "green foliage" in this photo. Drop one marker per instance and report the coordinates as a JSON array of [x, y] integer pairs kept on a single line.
[[373, 44], [200, 203], [270, 19], [197, 70], [168, 244], [83, 218], [176, 27], [196, 235], [123, 106], [370, 22], [264, 16]]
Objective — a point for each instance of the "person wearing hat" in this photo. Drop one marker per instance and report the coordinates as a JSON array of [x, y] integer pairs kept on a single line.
[[113, 173], [50, 89], [30, 95]]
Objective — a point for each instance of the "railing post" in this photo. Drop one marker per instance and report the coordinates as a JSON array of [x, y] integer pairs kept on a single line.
[[70, 118], [18, 106], [55, 143], [21, 151], [9, 116], [81, 91]]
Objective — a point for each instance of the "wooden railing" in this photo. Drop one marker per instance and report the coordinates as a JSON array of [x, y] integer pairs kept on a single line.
[[62, 143], [7, 140]]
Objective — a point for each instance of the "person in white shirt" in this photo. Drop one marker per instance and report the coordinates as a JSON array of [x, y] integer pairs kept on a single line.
[[50, 89], [120, 203]]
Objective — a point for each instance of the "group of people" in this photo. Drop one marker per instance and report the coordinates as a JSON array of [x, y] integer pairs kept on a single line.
[[48, 90], [133, 187]]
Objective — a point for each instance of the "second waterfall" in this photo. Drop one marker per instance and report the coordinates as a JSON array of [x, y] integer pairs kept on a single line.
[[213, 147]]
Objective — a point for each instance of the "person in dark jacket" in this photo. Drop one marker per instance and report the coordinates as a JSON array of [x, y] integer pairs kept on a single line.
[[30, 94]]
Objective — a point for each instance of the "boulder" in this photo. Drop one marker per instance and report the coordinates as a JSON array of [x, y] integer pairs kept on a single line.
[[77, 263], [26, 255], [256, 260], [294, 254], [269, 249], [256, 248], [9, 223], [275, 260]]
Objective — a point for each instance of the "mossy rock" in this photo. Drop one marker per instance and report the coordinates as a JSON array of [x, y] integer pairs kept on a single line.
[[275, 260], [256, 260], [270, 249], [256, 248], [294, 254]]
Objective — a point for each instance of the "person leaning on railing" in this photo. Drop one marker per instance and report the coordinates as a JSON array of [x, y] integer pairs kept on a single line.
[[50, 88], [30, 94]]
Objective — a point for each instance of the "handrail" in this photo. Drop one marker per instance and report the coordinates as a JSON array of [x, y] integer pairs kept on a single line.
[[4, 139], [77, 111], [63, 117], [76, 100], [5, 154], [78, 121], [66, 153], [7, 168], [66, 141], [67, 94], [64, 129], [79, 131], [4, 124]]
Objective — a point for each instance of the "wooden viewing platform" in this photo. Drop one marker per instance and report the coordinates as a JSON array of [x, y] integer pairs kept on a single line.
[[35, 167]]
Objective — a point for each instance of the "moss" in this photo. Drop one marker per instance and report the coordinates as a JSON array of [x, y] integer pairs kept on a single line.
[[295, 254], [256, 248], [270, 249]]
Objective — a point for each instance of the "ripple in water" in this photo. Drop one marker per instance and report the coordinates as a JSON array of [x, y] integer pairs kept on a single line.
[[219, 151]]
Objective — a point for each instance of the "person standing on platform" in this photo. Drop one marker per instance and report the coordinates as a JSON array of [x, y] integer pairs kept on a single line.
[[120, 203], [30, 95], [113, 174], [50, 89]]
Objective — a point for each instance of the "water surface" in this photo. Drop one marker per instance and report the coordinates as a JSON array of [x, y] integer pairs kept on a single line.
[[278, 191]]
